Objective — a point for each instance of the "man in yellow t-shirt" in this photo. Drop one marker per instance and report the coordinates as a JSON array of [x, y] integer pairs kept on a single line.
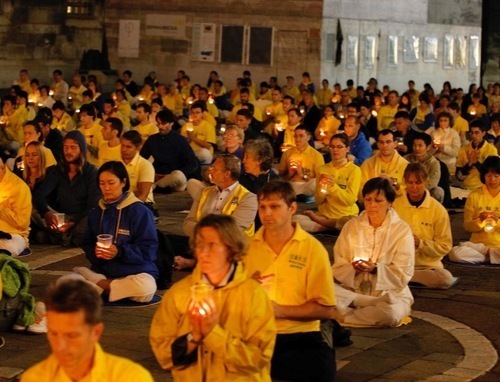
[[471, 157], [200, 134], [295, 270], [460, 124], [300, 164], [145, 127], [91, 129], [110, 150], [73, 315], [386, 163], [387, 113]]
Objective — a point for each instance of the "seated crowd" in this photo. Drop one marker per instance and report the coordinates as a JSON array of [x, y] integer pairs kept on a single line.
[[78, 168]]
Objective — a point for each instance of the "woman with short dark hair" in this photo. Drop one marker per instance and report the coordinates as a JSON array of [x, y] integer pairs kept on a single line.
[[374, 261]]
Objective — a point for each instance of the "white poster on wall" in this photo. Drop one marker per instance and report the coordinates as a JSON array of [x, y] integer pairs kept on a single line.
[[352, 52], [172, 26], [449, 52], [128, 38], [392, 51], [411, 49], [203, 42], [370, 52]]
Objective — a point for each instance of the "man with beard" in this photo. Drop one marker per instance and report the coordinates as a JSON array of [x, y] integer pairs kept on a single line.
[[72, 189], [174, 159]]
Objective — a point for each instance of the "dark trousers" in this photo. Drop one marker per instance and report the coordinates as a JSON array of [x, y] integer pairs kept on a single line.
[[303, 357]]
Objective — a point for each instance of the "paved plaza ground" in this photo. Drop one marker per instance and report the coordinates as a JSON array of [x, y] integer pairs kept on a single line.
[[453, 337]]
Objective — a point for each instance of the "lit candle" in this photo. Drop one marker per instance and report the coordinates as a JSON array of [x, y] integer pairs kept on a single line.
[[374, 113], [278, 126], [51, 92], [489, 224]]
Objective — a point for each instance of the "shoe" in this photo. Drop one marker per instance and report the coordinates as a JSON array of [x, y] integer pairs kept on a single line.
[[341, 336], [40, 324]]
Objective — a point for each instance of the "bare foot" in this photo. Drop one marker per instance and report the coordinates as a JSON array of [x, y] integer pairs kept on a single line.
[[183, 263]]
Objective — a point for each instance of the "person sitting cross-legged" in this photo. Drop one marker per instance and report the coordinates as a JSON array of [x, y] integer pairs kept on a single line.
[[225, 197], [125, 265], [374, 260], [430, 225], [300, 164], [482, 219], [336, 190]]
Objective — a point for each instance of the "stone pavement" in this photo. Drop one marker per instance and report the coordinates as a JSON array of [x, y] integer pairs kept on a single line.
[[453, 336]]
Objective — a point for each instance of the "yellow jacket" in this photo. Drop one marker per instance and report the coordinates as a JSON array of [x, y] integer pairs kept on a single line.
[[240, 346], [342, 196], [431, 223], [15, 205]]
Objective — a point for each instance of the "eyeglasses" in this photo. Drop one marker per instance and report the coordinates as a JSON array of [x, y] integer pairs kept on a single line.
[[340, 147], [230, 136]]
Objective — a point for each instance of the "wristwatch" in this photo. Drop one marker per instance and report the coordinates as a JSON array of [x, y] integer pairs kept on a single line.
[[190, 338]]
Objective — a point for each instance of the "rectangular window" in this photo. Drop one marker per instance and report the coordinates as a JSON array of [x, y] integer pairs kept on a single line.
[[260, 46], [232, 44], [246, 45], [79, 7]]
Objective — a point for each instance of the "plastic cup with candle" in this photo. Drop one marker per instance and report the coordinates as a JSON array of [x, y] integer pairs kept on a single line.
[[104, 240], [374, 113], [278, 126], [489, 224], [201, 294], [189, 127], [223, 128], [60, 219]]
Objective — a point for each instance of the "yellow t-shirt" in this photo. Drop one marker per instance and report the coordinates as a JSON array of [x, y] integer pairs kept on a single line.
[[204, 131], [310, 159], [94, 139], [140, 170], [105, 367], [374, 167], [299, 274], [385, 116], [146, 130], [107, 153]]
